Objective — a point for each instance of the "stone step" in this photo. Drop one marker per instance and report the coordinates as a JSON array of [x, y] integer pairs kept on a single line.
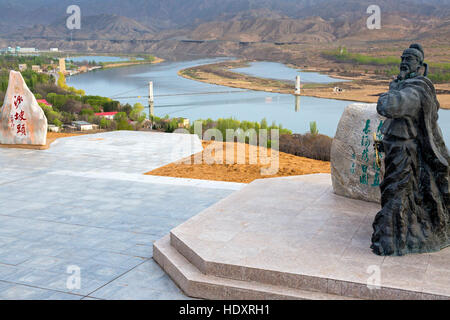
[[198, 285], [296, 233], [266, 278]]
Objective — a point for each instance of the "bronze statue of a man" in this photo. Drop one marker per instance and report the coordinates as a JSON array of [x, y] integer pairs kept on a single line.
[[415, 215]]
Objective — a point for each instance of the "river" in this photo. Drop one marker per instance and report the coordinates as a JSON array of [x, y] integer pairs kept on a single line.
[[127, 84], [278, 71]]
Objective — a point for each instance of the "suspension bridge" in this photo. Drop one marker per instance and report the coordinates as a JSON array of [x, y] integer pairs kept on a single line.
[[151, 96]]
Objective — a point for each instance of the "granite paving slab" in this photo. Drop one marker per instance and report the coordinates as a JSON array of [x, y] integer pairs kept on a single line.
[[85, 203]]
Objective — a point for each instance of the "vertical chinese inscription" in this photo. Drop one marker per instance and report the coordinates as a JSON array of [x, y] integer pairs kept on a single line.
[[365, 143], [18, 120], [367, 160], [353, 167], [376, 168]]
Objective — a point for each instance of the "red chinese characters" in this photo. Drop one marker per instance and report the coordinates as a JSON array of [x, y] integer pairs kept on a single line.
[[18, 119], [20, 116], [11, 121], [17, 101], [21, 129]]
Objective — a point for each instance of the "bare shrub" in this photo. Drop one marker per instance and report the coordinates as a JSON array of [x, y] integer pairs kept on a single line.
[[313, 146], [45, 88], [72, 106]]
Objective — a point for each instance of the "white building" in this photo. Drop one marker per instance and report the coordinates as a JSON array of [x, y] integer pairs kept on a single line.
[[82, 125], [53, 128], [26, 50], [36, 68]]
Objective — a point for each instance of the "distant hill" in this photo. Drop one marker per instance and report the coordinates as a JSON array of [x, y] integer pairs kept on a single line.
[[93, 27], [172, 14], [218, 27], [395, 26], [267, 29]]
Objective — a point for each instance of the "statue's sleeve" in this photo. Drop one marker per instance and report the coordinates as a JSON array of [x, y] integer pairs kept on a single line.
[[399, 103]]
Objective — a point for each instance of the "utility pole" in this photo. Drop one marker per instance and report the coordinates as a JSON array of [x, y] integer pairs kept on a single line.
[[151, 100], [297, 85], [297, 103]]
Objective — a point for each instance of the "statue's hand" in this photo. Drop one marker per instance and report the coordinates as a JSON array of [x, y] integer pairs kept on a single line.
[[382, 103], [378, 144]]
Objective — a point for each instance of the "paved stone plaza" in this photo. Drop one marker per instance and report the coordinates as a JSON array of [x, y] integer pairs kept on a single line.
[[85, 202]]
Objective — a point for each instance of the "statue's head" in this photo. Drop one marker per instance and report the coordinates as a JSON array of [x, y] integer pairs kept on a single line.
[[412, 62]]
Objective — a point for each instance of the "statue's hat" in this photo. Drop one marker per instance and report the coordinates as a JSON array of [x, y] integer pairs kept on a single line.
[[416, 50]]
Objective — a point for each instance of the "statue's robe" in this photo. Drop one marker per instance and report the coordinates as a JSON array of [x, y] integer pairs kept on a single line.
[[415, 215]]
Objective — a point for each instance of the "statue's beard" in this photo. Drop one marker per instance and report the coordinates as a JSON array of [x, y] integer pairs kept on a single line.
[[405, 70]]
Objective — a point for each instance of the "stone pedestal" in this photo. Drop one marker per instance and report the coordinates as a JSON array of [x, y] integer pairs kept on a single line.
[[353, 167], [293, 238], [22, 121]]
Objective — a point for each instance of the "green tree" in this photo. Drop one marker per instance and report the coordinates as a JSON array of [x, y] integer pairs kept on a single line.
[[121, 120], [104, 123], [57, 123], [52, 116], [313, 128], [137, 113], [62, 81], [264, 123], [87, 111]]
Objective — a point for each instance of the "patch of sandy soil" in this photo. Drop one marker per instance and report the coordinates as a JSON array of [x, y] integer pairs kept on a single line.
[[211, 164], [51, 137]]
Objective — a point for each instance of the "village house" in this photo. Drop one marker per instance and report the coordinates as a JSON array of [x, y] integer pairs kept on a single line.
[[53, 128], [183, 123], [106, 115], [26, 50], [69, 128], [23, 67], [83, 125], [36, 68], [49, 67], [45, 102], [83, 69]]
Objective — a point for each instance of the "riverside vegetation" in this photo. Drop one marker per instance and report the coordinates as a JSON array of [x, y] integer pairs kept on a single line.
[[438, 72], [69, 104], [309, 145]]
